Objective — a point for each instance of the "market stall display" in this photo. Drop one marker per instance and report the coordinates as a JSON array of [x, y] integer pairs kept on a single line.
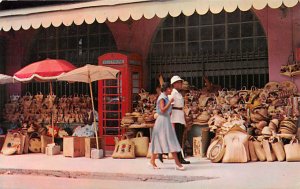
[[88, 74], [265, 117]]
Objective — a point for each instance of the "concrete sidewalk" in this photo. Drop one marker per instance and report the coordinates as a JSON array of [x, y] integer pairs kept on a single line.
[[199, 172]]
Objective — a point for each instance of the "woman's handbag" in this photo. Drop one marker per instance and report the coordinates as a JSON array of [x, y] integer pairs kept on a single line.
[[124, 149], [278, 148], [259, 151], [268, 151], [35, 144], [141, 145], [292, 150]]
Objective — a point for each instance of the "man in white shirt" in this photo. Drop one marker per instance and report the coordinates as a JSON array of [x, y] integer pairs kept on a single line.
[[177, 116]]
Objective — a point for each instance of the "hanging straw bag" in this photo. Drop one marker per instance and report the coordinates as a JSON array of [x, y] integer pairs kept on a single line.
[[141, 145], [278, 148], [292, 150], [76, 98], [124, 149], [39, 97], [144, 95]]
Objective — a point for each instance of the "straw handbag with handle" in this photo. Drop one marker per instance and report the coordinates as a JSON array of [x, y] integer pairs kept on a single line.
[[216, 150], [124, 149], [292, 150], [259, 151], [11, 144], [278, 148], [235, 151], [144, 95], [236, 142], [35, 144], [253, 156], [141, 145], [270, 155]]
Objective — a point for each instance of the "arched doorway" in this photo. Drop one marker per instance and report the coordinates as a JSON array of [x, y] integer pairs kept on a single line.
[[229, 48], [78, 44]]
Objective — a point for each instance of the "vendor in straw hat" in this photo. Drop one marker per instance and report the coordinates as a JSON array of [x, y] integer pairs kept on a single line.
[[177, 116]]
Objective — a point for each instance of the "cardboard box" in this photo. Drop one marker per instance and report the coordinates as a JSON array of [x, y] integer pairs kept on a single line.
[[197, 146], [74, 146], [90, 142]]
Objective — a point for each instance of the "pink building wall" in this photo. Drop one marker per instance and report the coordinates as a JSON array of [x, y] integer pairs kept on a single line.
[[283, 38], [136, 36]]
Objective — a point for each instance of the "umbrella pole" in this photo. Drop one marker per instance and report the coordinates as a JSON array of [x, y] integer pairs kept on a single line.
[[94, 122], [52, 123]]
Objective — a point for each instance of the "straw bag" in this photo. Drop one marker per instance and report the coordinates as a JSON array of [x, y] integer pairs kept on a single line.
[[268, 151], [253, 156], [236, 142], [55, 132], [235, 152], [141, 145], [35, 144], [124, 149], [292, 150], [39, 97], [144, 95], [76, 98], [259, 151], [14, 98], [278, 148], [12, 144], [216, 150]]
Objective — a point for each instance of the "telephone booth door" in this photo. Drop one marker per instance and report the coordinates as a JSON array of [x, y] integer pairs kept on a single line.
[[117, 97]]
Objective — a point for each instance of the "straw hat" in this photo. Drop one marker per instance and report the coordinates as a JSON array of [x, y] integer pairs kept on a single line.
[[266, 131]]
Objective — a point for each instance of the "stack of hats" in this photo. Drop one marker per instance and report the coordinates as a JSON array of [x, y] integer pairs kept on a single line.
[[288, 126]]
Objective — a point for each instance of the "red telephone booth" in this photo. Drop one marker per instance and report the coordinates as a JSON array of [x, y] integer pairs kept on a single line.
[[117, 97]]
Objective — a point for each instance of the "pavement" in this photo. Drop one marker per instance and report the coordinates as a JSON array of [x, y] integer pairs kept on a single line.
[[83, 172]]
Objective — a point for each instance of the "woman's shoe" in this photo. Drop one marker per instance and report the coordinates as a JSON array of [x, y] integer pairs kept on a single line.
[[179, 168], [160, 157], [153, 166]]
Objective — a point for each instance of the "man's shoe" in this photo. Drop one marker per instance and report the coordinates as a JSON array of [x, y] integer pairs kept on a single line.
[[185, 162], [160, 157]]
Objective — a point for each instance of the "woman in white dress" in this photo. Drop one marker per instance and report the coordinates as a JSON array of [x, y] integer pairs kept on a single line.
[[164, 139]]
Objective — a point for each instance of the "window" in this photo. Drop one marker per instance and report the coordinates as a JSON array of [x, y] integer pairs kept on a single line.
[[78, 44], [227, 47]]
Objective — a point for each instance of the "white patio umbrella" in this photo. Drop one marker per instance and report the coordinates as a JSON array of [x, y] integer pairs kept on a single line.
[[6, 79], [88, 74]]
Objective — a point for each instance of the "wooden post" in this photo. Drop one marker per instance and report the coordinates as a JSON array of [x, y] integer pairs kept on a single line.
[[94, 122]]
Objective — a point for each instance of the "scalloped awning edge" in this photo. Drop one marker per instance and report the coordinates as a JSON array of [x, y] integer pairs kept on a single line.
[[113, 10]]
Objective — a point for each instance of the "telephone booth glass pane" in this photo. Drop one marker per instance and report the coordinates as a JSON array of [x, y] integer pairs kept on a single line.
[[135, 88], [112, 108]]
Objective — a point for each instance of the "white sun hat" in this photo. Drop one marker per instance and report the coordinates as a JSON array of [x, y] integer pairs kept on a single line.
[[175, 79]]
